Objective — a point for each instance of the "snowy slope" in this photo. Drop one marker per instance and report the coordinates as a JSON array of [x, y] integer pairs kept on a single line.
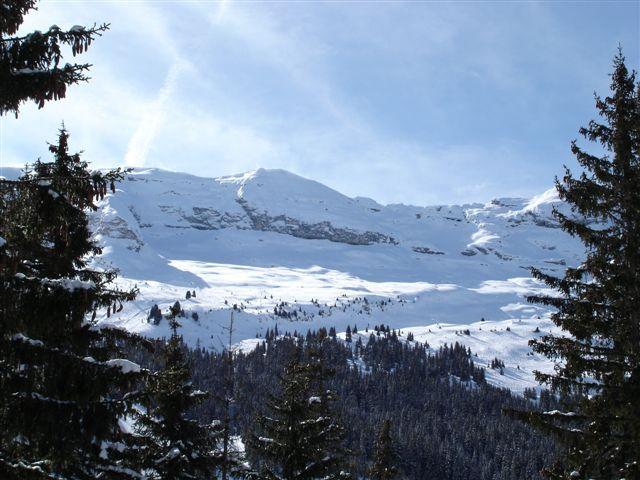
[[269, 239]]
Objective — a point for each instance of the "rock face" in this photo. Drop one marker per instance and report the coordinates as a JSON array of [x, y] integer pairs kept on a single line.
[[427, 250], [117, 228], [200, 218], [311, 231]]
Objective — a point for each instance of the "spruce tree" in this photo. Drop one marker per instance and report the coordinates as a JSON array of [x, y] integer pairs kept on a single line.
[[299, 437], [599, 301], [31, 67], [63, 388], [385, 456], [175, 447]]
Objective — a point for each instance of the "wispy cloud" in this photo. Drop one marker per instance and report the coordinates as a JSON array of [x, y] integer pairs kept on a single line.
[[413, 102], [287, 49]]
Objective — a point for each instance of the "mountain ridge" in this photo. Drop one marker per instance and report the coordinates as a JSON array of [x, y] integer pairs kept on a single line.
[[274, 248]]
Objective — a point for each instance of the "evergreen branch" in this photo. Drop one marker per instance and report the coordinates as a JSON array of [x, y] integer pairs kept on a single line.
[[64, 36], [23, 470]]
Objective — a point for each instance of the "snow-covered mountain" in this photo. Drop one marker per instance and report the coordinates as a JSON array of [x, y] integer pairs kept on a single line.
[[289, 251]]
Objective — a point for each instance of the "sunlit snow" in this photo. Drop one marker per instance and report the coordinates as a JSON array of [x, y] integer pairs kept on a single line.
[[275, 248]]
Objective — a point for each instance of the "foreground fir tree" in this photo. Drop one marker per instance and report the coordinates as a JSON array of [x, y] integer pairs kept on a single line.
[[385, 456], [175, 447], [31, 67], [599, 305], [300, 438], [63, 388]]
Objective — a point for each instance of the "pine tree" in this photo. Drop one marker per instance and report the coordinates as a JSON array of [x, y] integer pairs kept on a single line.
[[155, 314], [599, 304], [300, 438], [31, 67], [175, 310], [62, 388], [174, 447], [385, 459]]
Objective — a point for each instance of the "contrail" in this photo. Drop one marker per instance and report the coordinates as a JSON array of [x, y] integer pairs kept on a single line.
[[222, 8], [145, 134]]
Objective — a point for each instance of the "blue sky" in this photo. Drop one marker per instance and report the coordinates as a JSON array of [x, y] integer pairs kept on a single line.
[[412, 102]]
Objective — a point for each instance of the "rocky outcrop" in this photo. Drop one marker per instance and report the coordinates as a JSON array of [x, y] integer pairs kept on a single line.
[[210, 219], [118, 227], [202, 218], [536, 219], [312, 231], [427, 251]]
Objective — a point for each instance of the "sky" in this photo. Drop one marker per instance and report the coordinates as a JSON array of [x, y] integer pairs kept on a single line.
[[404, 102]]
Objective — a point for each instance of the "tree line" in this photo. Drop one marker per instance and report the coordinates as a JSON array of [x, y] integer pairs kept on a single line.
[[442, 420]]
